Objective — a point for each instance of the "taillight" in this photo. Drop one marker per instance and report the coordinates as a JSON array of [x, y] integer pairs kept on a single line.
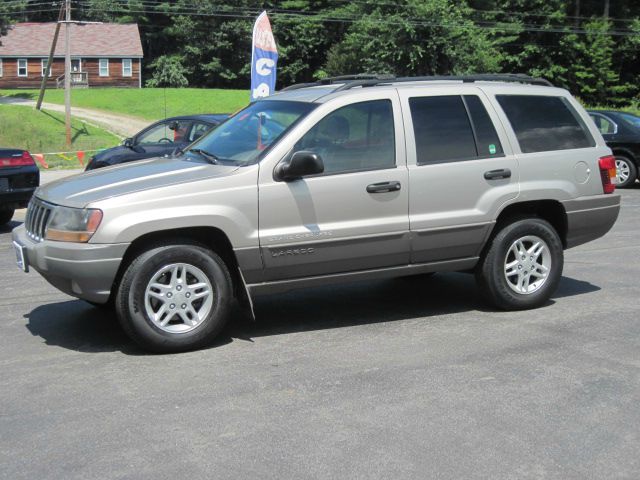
[[21, 161], [608, 173]]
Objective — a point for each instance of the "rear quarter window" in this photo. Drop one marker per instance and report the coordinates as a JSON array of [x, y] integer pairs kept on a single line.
[[543, 123]]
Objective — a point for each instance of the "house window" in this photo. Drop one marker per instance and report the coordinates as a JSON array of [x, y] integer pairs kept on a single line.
[[127, 70], [43, 64], [104, 67], [22, 67]]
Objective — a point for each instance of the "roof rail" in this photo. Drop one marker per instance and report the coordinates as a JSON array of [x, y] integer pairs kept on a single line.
[[369, 80]]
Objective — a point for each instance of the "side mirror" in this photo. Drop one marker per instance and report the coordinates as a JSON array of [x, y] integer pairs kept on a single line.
[[300, 165], [127, 142]]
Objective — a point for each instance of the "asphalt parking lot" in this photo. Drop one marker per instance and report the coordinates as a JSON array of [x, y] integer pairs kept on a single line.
[[388, 379]]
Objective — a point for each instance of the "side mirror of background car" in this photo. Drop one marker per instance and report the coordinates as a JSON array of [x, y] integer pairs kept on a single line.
[[127, 142], [301, 164]]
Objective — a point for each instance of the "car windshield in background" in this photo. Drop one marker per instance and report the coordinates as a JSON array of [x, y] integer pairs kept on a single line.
[[630, 119], [244, 137]]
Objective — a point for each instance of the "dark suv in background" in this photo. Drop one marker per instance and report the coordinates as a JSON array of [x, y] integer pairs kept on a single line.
[[621, 131], [159, 139]]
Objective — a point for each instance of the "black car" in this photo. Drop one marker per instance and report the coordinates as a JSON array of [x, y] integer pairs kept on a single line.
[[19, 177], [161, 138], [621, 131]]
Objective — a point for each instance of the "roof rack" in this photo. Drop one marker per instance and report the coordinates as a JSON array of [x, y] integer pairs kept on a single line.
[[369, 80]]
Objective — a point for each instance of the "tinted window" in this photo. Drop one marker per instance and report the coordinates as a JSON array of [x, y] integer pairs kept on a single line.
[[486, 137], [356, 137], [442, 129], [544, 123]]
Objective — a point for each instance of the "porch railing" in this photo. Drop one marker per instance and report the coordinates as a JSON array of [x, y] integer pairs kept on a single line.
[[78, 79]]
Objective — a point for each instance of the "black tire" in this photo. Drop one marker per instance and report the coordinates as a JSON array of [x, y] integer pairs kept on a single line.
[[490, 273], [6, 216], [633, 171], [130, 298]]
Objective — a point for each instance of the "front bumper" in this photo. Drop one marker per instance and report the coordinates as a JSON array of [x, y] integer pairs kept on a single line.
[[82, 270], [590, 217]]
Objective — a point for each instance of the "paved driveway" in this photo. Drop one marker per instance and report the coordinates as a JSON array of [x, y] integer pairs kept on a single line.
[[395, 379]]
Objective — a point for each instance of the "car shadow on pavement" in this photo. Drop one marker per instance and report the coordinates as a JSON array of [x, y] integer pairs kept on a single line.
[[7, 227], [79, 326]]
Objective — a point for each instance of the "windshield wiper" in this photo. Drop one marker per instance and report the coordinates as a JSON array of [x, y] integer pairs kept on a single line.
[[208, 155]]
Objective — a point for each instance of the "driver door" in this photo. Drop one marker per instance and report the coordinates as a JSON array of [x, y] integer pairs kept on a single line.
[[344, 219]]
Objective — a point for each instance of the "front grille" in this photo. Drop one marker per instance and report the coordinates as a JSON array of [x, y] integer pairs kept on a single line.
[[37, 219]]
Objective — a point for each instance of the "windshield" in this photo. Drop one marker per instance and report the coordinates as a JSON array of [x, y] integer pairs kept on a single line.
[[630, 119], [242, 139]]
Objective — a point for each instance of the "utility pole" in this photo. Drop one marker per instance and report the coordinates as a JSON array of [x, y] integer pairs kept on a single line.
[[606, 9], [45, 78], [67, 71]]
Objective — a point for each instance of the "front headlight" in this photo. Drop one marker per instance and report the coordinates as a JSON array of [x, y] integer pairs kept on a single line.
[[73, 224]]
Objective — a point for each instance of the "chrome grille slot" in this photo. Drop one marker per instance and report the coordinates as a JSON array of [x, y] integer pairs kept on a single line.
[[37, 219]]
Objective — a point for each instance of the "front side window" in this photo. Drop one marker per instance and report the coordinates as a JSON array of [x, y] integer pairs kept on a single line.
[[22, 67], [104, 67], [127, 71], [543, 123], [43, 65], [354, 138], [166, 132], [246, 136]]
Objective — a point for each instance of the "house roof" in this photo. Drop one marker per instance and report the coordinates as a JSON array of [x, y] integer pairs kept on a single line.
[[87, 40]]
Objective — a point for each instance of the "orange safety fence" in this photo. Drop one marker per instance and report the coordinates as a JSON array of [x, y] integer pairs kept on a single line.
[[76, 156]]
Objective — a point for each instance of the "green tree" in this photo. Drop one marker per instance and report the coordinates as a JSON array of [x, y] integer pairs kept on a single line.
[[168, 71]]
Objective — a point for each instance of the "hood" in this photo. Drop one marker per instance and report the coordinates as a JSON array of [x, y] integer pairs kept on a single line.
[[84, 188]]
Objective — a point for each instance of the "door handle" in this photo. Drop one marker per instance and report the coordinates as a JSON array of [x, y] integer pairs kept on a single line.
[[497, 174], [383, 187]]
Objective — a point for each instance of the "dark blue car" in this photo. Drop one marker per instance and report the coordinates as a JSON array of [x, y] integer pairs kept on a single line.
[[161, 138]]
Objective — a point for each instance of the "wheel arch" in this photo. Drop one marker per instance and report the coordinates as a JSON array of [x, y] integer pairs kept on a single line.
[[550, 210], [626, 153], [211, 237]]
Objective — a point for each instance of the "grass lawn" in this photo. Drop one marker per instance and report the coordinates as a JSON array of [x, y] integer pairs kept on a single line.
[[44, 132], [147, 103]]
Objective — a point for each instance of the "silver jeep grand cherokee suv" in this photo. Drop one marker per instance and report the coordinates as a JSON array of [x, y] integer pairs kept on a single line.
[[346, 179]]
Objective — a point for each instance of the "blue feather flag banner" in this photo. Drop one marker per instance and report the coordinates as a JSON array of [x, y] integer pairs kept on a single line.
[[264, 59]]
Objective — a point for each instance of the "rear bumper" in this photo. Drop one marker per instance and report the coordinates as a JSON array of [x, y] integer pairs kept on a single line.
[[591, 217], [18, 198], [82, 270]]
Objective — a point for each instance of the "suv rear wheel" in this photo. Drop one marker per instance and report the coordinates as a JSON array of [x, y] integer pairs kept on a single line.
[[523, 265], [174, 298]]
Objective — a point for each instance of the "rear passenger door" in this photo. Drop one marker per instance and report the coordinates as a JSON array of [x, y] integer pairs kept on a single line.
[[461, 172]]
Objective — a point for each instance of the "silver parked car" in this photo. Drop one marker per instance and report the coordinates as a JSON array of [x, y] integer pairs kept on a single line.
[[346, 179]]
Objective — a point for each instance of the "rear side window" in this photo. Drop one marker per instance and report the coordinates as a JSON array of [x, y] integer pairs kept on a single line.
[[543, 123], [486, 136], [452, 128]]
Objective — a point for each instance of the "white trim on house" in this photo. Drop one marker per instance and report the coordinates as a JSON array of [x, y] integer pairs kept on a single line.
[[127, 71], [103, 70], [1, 68], [43, 66], [26, 67]]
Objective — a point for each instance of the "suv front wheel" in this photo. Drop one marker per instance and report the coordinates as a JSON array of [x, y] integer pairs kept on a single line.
[[174, 298], [523, 265]]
